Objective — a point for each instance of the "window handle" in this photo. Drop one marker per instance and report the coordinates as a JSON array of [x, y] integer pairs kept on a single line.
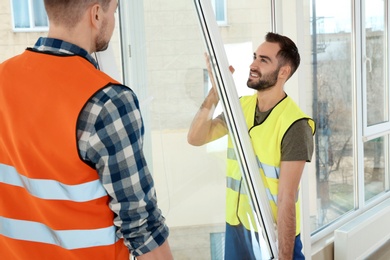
[[368, 60]]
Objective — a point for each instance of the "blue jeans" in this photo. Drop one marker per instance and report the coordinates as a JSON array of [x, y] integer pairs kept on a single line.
[[238, 244]]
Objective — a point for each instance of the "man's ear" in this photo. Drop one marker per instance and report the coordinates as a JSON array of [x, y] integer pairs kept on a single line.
[[285, 71], [96, 15]]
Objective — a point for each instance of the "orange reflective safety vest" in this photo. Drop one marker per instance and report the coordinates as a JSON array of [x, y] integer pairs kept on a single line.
[[53, 205]]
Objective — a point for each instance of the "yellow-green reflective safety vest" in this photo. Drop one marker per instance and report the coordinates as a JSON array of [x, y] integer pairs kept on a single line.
[[266, 139]]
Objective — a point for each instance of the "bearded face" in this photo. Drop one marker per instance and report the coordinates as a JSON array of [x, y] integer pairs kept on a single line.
[[107, 27], [103, 39], [259, 81]]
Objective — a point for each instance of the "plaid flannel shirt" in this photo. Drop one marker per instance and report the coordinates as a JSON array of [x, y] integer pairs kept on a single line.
[[110, 138]]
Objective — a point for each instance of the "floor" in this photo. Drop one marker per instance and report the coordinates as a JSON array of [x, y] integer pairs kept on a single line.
[[195, 242], [198, 242]]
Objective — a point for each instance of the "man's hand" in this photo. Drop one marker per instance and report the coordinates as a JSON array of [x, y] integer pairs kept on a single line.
[[162, 252]]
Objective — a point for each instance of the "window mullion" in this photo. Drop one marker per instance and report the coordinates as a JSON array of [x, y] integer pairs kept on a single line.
[[31, 12]]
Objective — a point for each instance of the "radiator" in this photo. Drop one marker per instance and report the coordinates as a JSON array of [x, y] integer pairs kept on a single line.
[[363, 235]]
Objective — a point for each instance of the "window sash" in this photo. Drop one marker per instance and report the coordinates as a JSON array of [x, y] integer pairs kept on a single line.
[[374, 127], [236, 125]]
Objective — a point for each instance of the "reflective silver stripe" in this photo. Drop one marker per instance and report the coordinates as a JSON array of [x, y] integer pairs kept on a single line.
[[235, 185], [68, 239], [271, 197], [231, 154], [269, 171], [52, 190]]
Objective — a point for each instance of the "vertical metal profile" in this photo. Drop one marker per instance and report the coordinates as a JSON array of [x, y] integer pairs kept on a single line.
[[273, 16], [134, 67], [237, 126]]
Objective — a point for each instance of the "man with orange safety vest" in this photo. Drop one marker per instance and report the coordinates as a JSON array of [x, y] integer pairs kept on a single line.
[[74, 183]]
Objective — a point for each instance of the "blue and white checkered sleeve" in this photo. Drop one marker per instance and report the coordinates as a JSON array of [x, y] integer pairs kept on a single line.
[[111, 137]]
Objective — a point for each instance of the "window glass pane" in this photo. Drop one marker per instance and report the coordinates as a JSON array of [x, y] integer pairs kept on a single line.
[[21, 13], [332, 109], [374, 167], [376, 62], [40, 17], [190, 181], [220, 10]]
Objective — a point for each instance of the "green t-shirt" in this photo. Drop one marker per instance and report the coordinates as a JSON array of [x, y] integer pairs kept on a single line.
[[297, 144]]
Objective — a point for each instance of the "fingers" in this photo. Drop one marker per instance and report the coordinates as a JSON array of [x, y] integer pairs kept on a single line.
[[209, 70], [208, 63], [231, 68]]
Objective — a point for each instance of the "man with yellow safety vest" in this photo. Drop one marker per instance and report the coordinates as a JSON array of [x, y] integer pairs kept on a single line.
[[74, 182], [282, 139]]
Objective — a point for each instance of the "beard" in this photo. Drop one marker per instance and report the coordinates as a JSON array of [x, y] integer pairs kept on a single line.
[[101, 42], [265, 81]]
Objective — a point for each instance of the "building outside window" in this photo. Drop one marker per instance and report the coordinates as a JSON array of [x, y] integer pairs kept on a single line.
[[220, 11], [29, 15]]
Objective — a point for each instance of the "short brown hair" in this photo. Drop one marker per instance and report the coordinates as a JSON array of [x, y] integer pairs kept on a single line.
[[70, 12], [288, 53]]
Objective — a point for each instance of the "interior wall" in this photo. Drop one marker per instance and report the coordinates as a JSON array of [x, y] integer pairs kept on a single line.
[[325, 253]]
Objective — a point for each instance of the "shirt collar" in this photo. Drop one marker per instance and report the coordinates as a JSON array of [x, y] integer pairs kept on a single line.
[[63, 47]]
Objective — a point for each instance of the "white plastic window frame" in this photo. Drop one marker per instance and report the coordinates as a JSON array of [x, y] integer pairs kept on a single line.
[[363, 132], [371, 132], [32, 27], [381, 129], [237, 126]]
